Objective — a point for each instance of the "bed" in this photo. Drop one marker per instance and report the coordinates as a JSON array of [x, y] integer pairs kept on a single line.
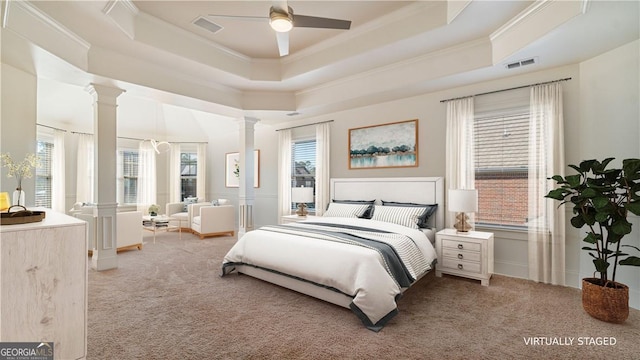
[[351, 258]]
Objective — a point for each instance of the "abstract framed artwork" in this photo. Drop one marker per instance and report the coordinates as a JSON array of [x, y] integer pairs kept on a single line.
[[384, 146], [232, 169]]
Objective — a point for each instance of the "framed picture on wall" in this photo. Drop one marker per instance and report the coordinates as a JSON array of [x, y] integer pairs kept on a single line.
[[232, 169], [384, 146]]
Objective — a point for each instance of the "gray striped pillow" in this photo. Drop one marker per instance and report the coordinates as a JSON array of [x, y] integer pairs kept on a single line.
[[401, 215], [345, 210]]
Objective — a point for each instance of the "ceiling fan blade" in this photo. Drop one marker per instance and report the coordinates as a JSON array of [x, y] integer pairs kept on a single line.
[[283, 43], [320, 22]]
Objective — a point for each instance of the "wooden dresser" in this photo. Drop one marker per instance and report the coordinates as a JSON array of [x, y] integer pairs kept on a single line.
[[43, 284]]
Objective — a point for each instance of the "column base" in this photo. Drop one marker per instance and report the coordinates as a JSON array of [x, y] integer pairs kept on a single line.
[[104, 262]]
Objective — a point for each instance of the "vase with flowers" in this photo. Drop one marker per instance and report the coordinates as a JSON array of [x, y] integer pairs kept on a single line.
[[20, 170], [153, 210]]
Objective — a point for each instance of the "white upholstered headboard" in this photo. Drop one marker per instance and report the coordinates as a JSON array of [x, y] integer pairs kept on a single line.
[[421, 190]]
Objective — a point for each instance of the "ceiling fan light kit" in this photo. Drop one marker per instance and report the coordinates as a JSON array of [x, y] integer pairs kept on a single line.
[[279, 21]]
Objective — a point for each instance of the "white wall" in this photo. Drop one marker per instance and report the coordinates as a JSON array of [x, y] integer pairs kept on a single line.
[[18, 125], [609, 127]]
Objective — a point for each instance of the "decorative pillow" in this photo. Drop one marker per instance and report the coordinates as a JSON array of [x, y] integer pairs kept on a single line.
[[424, 218], [187, 202], [401, 215], [346, 210], [215, 203], [367, 214]]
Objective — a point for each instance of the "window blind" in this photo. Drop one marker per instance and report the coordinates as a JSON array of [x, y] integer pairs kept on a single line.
[[501, 174]]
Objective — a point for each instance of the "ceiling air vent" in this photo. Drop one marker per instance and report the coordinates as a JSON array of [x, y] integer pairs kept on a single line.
[[520, 63], [207, 25]]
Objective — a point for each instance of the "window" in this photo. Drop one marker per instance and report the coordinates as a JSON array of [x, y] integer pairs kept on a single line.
[[128, 193], [501, 174], [188, 174], [303, 163], [43, 174]]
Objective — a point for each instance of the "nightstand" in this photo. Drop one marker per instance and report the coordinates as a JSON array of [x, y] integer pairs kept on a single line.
[[469, 255], [295, 218]]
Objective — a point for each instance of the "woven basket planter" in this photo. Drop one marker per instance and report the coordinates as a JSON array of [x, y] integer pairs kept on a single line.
[[610, 304]]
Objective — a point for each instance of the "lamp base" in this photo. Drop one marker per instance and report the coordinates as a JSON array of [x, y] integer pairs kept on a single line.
[[302, 209], [462, 224]]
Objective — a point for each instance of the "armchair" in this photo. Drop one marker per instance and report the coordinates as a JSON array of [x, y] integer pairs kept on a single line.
[[213, 220], [184, 218], [128, 230]]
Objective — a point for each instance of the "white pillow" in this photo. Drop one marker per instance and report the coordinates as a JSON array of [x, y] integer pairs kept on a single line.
[[401, 215], [345, 210]]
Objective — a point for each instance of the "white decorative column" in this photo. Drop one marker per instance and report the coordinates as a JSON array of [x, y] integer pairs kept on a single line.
[[105, 162], [246, 194]]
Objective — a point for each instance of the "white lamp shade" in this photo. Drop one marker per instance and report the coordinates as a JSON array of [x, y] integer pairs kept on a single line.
[[463, 200], [302, 194]]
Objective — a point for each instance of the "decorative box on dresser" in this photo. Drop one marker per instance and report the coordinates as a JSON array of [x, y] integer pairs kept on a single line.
[[43, 284], [465, 254], [295, 218]]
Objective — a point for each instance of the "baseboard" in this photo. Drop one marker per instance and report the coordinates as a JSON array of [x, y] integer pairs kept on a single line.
[[511, 269]]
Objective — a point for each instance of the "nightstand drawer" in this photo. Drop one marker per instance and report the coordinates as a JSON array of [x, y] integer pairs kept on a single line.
[[460, 265], [460, 245], [461, 255]]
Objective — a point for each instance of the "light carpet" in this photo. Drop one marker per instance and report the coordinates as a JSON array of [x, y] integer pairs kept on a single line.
[[167, 301]]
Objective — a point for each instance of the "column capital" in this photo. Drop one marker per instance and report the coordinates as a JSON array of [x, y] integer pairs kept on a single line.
[[248, 120], [104, 93]]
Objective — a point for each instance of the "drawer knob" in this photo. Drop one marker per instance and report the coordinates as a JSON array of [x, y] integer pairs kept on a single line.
[[460, 246], [460, 256], [460, 266]]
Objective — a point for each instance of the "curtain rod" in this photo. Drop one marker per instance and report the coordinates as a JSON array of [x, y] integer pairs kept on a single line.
[[293, 127], [51, 127], [501, 90], [81, 133], [171, 142], [124, 137]]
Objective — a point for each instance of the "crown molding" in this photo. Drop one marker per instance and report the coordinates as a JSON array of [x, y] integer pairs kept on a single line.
[[532, 23], [32, 11]]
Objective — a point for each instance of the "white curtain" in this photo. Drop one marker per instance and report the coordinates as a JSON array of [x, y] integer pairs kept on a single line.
[[84, 175], [546, 158], [146, 189], [58, 191], [174, 174], [460, 168], [323, 157], [284, 172], [201, 180]]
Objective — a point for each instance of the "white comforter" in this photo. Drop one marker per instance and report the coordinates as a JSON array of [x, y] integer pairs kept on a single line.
[[353, 270]]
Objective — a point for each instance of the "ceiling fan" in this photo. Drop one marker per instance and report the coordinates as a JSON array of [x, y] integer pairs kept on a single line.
[[282, 20]]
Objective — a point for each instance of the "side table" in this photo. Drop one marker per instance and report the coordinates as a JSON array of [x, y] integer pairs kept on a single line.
[[469, 255]]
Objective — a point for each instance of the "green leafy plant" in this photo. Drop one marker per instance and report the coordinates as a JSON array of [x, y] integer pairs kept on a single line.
[[602, 199]]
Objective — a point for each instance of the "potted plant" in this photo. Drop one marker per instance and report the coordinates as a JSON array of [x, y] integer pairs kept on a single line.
[[153, 210], [602, 198]]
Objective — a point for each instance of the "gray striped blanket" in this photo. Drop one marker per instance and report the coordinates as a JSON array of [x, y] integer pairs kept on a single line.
[[401, 257]]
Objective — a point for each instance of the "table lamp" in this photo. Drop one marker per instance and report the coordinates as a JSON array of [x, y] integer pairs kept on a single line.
[[302, 196], [463, 201]]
